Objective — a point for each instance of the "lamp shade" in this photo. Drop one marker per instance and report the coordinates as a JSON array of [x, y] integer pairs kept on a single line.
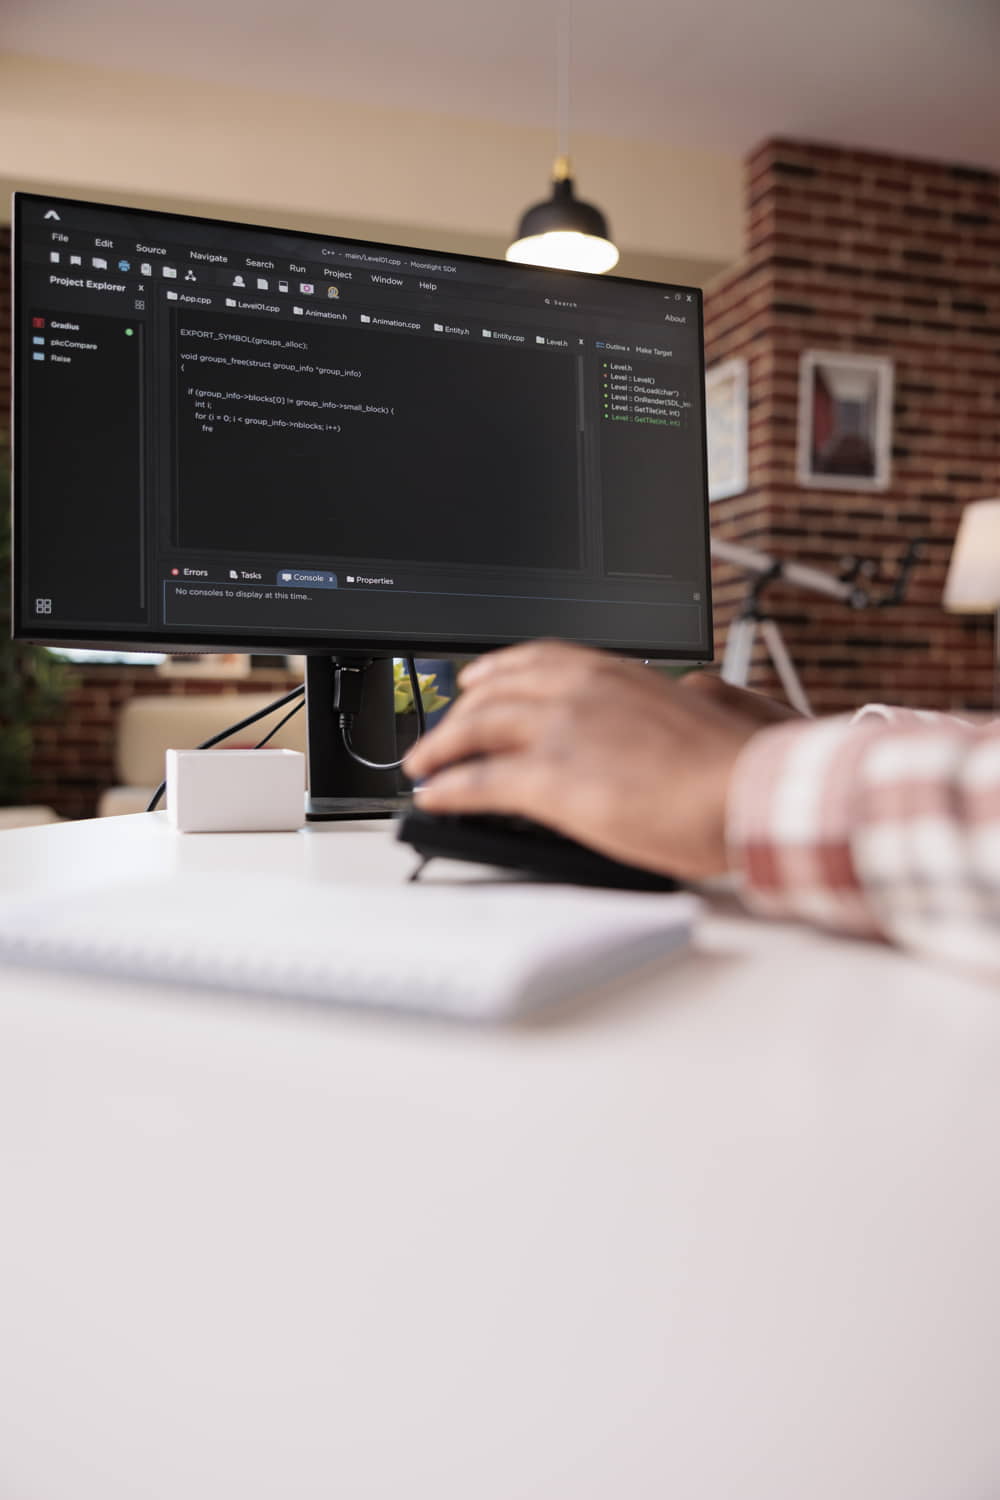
[[973, 583], [563, 232]]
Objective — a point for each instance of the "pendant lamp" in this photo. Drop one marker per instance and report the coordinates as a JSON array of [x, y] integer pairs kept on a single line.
[[562, 231]]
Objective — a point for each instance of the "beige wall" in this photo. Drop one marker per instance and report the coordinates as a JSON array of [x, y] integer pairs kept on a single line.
[[420, 179]]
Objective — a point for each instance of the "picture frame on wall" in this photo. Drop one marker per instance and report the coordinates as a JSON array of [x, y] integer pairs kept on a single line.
[[845, 421], [726, 418]]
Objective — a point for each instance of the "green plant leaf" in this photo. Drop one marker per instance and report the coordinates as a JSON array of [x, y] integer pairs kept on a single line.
[[403, 693]]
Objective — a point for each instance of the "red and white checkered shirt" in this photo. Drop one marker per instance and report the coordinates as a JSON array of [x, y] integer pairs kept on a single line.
[[887, 824]]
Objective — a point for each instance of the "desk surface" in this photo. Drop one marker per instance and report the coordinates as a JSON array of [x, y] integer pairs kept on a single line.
[[731, 1231]]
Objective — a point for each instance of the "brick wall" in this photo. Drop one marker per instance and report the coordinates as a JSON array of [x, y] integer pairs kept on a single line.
[[73, 759], [848, 250]]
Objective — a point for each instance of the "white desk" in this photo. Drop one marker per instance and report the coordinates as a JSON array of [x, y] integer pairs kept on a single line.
[[731, 1234]]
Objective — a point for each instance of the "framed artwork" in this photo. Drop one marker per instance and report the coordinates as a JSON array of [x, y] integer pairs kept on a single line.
[[845, 421], [726, 421]]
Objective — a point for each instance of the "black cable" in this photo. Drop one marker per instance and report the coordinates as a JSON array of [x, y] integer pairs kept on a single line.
[[418, 701], [281, 724], [362, 760], [224, 734], [347, 719]]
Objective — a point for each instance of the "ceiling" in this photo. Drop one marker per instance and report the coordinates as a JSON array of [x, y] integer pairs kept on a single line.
[[914, 76]]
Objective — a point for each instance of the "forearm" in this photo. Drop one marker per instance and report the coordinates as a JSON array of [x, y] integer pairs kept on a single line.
[[879, 828]]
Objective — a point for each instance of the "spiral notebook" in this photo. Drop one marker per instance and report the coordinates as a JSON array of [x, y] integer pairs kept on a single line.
[[477, 952]]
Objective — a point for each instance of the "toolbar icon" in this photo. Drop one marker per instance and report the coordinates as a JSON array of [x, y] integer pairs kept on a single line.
[[282, 286], [76, 260], [54, 257], [306, 288], [238, 281], [145, 269], [333, 291], [262, 284], [124, 265], [51, 214], [190, 276], [170, 272], [99, 263]]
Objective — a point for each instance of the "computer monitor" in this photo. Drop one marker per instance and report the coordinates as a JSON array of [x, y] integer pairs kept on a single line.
[[246, 438]]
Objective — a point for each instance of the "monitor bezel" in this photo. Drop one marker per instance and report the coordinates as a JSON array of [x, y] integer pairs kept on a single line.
[[149, 640]]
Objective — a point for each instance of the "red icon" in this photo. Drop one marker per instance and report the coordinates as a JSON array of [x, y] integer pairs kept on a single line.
[[174, 572], [38, 322]]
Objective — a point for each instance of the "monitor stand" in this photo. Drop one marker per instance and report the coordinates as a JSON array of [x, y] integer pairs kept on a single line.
[[339, 788]]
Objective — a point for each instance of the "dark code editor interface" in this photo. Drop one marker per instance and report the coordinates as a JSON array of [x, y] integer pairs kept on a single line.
[[241, 436]]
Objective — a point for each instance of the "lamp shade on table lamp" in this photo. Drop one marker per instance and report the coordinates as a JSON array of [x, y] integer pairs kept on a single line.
[[973, 582]]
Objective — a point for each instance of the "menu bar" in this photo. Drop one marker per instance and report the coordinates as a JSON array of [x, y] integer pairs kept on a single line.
[[200, 243]]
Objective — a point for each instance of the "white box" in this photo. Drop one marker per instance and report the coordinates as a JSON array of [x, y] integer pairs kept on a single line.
[[235, 791]]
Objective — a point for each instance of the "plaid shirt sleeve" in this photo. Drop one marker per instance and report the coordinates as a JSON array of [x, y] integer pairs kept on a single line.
[[884, 825]]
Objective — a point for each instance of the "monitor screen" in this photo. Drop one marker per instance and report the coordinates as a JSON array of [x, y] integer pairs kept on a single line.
[[258, 439]]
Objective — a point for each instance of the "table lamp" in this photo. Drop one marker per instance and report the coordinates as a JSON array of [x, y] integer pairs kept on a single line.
[[973, 582]]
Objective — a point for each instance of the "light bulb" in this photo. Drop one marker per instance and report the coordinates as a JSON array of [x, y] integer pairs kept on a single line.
[[565, 250]]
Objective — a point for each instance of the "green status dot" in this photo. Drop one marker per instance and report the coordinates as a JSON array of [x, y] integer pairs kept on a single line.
[[129, 332]]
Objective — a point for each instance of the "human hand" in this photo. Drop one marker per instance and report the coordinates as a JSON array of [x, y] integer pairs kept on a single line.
[[605, 751], [754, 707]]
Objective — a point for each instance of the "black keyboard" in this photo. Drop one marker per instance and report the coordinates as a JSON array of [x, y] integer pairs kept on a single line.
[[518, 844]]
